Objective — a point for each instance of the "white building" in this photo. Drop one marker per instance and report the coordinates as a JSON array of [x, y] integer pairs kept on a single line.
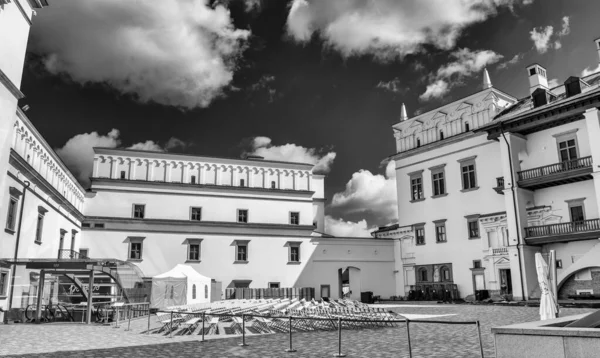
[[487, 181]]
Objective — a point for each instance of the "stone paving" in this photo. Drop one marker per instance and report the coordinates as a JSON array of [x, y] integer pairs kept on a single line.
[[427, 340]]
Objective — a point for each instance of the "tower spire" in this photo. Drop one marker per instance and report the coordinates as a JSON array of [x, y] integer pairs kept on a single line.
[[487, 83], [403, 115]]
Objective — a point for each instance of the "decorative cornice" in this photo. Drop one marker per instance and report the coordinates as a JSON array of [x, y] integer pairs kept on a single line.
[[10, 86]]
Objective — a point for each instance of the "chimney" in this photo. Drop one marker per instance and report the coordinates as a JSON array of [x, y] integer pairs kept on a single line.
[[537, 78], [403, 115], [597, 41], [487, 83]]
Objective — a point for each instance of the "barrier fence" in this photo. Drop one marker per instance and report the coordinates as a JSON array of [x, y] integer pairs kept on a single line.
[[336, 323]]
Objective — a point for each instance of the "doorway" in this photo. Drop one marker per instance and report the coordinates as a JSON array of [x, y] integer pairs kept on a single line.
[[350, 283], [325, 291], [505, 282]]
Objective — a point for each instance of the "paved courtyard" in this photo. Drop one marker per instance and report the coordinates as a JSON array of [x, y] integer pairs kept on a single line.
[[427, 340]]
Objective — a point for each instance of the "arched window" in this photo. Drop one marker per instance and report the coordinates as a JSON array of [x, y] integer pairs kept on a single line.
[[273, 186], [467, 127], [418, 142], [193, 292], [441, 135], [445, 273], [205, 291], [423, 274]]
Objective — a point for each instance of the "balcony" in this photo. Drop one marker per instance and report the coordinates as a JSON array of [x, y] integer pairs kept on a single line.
[[499, 185], [556, 174], [563, 232], [499, 251], [65, 254]]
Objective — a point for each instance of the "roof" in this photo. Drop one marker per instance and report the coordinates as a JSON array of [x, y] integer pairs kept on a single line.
[[170, 155], [183, 271]]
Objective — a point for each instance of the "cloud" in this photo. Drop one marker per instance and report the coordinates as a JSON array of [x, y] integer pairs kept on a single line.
[[368, 196], [566, 28], [541, 38], [78, 152], [175, 53], [513, 61], [265, 83], [320, 158], [589, 70], [342, 228], [553, 83], [387, 29], [394, 86], [466, 63]]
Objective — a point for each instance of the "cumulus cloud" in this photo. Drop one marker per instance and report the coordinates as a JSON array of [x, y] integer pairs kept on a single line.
[[175, 53], [369, 196], [589, 70], [320, 158], [553, 83], [566, 27], [513, 61], [542, 37], [394, 86], [342, 228], [78, 152], [466, 63], [265, 83], [387, 29]]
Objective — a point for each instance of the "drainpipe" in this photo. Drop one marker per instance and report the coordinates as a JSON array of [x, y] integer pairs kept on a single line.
[[14, 265], [514, 199]]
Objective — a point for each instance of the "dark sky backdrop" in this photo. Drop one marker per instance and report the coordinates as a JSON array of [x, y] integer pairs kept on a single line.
[[319, 98]]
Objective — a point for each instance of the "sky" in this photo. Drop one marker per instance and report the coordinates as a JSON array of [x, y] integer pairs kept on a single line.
[[310, 81]]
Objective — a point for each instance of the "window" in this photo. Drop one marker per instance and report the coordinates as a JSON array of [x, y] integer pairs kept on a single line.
[[445, 274], [418, 142], [295, 218], [532, 71], [468, 174], [416, 186], [242, 182], [193, 179], [139, 211], [467, 127], [576, 209], [136, 248], [122, 174], [39, 228], [473, 226], [293, 251], [84, 253], [241, 252], [438, 181], [273, 284], [242, 216], [194, 251], [99, 226], [441, 135], [196, 214], [12, 213], [422, 274], [273, 185], [193, 292], [3, 283], [476, 264], [567, 150], [440, 231], [420, 234], [86, 225]]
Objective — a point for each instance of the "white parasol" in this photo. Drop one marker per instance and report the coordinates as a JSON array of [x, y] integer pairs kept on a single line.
[[547, 302]]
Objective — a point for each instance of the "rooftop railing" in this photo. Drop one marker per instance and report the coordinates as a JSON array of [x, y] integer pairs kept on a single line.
[[562, 167]]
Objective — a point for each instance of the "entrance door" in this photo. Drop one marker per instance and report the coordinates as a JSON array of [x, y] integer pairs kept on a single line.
[[354, 283], [325, 291], [505, 282]]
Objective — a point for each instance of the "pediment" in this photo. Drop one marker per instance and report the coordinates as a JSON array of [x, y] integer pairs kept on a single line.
[[502, 260], [439, 115], [491, 96], [463, 106]]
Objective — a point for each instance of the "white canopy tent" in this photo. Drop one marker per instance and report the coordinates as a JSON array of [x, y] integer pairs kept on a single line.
[[182, 285]]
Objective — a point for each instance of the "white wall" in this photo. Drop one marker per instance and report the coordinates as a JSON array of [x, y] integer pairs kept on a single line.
[[555, 197]]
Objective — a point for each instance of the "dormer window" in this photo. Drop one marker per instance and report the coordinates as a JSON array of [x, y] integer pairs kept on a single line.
[[573, 86], [441, 135], [467, 129], [418, 142], [532, 71]]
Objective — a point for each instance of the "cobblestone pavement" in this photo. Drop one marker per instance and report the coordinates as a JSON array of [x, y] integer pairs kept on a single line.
[[427, 340]]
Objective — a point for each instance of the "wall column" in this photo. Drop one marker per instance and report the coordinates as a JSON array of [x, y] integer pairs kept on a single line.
[[95, 168], [201, 179], [168, 172], [185, 173], [115, 168], [592, 122]]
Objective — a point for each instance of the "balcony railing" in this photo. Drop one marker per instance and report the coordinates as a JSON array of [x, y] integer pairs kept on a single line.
[[577, 230], [500, 251], [563, 167], [70, 254]]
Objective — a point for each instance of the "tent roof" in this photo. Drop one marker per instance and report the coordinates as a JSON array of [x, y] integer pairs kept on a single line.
[[183, 271]]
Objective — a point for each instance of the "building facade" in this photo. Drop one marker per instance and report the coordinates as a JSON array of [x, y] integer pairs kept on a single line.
[[487, 181]]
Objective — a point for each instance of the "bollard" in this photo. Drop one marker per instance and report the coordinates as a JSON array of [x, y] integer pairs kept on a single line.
[[480, 343], [291, 349], [243, 344], [129, 322], [148, 331], [203, 315], [339, 353], [171, 326], [408, 337]]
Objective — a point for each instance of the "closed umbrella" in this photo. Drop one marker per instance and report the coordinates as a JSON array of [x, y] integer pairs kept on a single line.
[[547, 303]]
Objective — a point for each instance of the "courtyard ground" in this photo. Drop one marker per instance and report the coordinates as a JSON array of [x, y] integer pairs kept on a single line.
[[427, 340]]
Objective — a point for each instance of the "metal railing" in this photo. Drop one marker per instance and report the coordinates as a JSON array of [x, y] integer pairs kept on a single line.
[[563, 228], [336, 323], [562, 167], [500, 251], [70, 254]]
